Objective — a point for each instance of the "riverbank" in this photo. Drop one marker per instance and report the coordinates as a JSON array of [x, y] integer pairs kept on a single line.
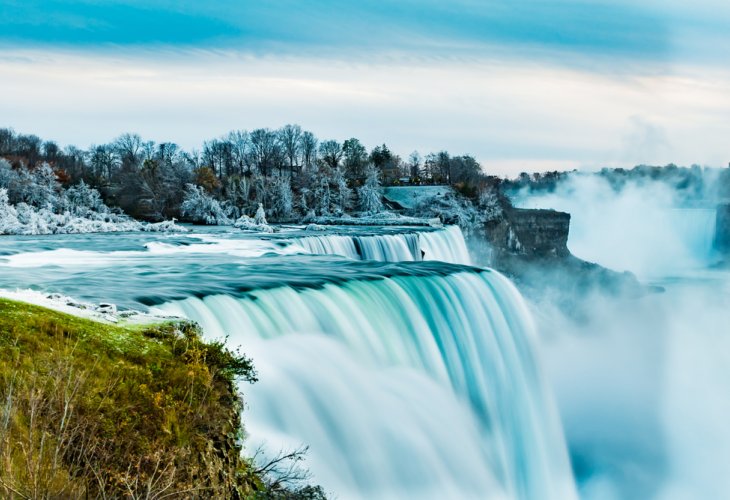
[[91, 408]]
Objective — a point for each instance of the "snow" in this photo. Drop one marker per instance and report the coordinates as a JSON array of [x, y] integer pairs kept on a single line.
[[202, 208], [78, 210], [103, 313], [370, 194], [248, 224], [380, 219], [410, 197]]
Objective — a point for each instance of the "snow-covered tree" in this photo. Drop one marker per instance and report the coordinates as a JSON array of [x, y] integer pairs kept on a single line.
[[200, 207], [261, 188], [9, 223], [282, 199], [238, 190], [370, 194], [21, 187], [43, 192], [7, 174], [81, 200], [343, 194], [260, 217], [322, 196]]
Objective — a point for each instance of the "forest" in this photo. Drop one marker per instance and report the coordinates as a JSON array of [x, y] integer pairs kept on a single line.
[[289, 172]]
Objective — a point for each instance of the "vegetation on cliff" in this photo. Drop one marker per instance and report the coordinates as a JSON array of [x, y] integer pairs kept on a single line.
[[94, 410]]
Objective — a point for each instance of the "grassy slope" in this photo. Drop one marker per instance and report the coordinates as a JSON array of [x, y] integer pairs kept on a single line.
[[93, 409]]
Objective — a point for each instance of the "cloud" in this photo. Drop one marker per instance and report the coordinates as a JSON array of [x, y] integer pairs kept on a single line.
[[512, 117], [645, 140], [292, 26]]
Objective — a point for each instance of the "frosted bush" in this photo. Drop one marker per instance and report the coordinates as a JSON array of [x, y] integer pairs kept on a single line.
[[343, 194], [283, 199], [248, 224], [260, 217], [7, 175], [44, 189], [9, 223], [370, 194], [167, 226], [322, 196], [24, 219], [82, 200], [202, 208]]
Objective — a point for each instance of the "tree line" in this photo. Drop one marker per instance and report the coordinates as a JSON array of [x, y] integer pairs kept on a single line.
[[288, 170]]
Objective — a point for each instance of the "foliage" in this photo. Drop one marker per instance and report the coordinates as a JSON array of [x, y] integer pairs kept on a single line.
[[283, 199], [288, 170], [201, 208], [94, 410], [370, 194], [90, 409], [260, 217], [84, 213]]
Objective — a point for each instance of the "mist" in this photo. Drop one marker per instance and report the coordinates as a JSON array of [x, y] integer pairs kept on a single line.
[[642, 384], [646, 228]]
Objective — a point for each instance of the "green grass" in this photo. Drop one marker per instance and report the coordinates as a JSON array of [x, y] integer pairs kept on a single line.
[[95, 410]]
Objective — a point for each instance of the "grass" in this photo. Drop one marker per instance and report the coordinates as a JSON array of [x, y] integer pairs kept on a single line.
[[100, 411]]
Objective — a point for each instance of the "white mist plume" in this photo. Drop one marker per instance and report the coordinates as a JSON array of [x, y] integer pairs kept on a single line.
[[640, 228]]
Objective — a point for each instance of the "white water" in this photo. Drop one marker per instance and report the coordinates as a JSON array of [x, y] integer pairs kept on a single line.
[[446, 245], [421, 387]]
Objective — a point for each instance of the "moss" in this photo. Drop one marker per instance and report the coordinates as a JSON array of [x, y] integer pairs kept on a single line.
[[90, 409]]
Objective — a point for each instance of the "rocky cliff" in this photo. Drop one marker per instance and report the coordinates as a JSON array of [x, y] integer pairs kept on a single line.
[[530, 233], [531, 246]]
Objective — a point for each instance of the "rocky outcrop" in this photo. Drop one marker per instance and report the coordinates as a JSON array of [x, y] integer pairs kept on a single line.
[[530, 233], [722, 228], [531, 247]]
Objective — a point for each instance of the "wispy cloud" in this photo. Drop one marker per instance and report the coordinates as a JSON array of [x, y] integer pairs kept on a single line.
[[521, 84], [294, 26]]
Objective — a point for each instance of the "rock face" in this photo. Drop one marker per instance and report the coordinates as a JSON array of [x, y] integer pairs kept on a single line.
[[722, 228], [530, 233], [531, 246]]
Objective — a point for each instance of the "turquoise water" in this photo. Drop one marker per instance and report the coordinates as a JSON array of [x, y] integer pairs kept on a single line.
[[409, 373]]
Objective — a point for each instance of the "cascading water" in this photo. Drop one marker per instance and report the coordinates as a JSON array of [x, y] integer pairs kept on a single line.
[[472, 416], [445, 245], [406, 379], [696, 228]]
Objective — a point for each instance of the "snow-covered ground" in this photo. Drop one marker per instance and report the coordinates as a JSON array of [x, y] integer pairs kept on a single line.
[[103, 312], [379, 219], [410, 197], [25, 219]]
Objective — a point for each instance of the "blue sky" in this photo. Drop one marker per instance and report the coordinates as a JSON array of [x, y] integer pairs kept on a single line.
[[524, 84]]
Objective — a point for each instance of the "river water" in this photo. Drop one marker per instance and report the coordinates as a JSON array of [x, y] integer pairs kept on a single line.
[[410, 373]]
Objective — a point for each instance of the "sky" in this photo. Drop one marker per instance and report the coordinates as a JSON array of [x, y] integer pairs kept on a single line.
[[522, 85]]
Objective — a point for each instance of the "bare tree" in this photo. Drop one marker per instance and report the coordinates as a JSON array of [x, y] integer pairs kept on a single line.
[[309, 150], [265, 152], [240, 141], [331, 153], [129, 148], [290, 138]]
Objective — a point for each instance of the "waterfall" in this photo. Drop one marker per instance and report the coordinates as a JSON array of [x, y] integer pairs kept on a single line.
[[696, 227], [409, 386], [445, 245]]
